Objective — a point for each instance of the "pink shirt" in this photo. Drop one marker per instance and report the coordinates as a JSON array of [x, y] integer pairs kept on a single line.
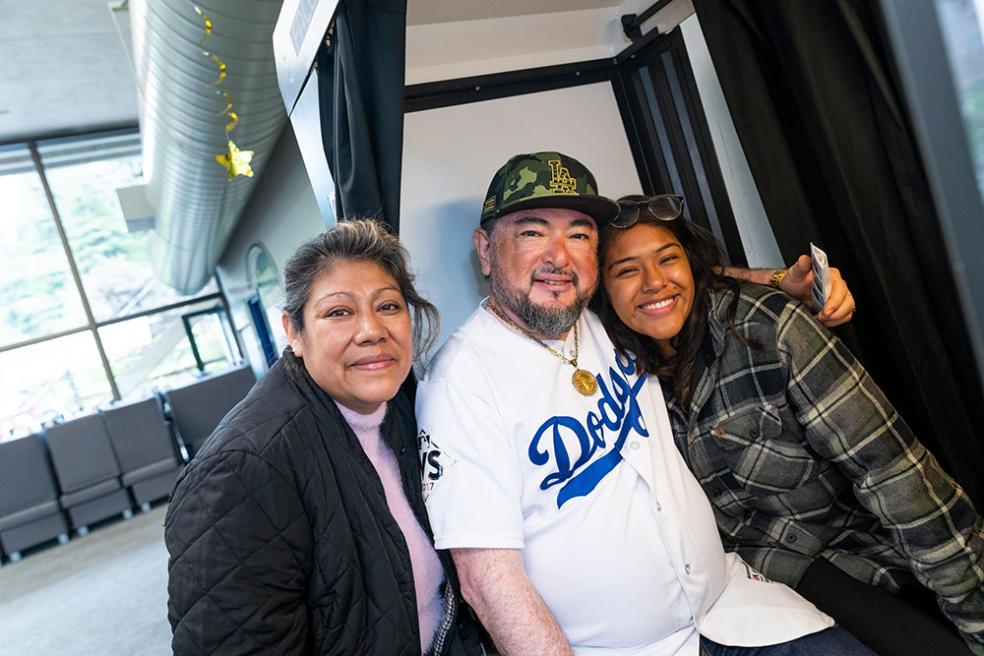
[[428, 574]]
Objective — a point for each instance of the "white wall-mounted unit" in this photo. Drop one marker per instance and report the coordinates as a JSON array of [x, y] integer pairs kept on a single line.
[[297, 37]]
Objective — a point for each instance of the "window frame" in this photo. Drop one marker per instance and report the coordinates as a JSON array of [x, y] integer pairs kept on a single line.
[[92, 325]]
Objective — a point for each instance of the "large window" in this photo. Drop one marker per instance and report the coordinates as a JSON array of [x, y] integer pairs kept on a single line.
[[112, 262], [85, 320], [962, 22], [36, 287], [938, 52], [48, 379], [167, 349]]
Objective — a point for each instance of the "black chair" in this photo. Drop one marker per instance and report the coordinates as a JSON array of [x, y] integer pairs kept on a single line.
[[29, 510], [87, 472], [145, 449], [197, 409]]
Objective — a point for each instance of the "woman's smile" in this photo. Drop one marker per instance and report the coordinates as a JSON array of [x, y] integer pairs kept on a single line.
[[374, 362], [659, 307]]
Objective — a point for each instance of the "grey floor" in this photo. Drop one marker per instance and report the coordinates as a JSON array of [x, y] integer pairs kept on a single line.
[[99, 595]]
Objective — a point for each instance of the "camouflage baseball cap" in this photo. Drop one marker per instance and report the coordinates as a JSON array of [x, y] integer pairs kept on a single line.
[[546, 179]]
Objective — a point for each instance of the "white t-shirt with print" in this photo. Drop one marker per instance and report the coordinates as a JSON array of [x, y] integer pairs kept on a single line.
[[617, 535]]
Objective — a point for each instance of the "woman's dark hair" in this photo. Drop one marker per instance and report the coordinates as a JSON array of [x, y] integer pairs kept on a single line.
[[706, 258], [360, 240]]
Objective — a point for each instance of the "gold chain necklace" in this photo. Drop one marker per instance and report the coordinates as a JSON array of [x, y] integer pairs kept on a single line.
[[582, 380]]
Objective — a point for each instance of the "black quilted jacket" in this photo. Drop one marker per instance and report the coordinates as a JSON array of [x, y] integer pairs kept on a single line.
[[280, 539]]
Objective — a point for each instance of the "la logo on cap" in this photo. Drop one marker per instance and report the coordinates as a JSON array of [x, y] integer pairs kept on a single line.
[[561, 181]]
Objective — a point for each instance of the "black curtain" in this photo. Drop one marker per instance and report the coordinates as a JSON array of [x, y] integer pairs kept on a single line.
[[360, 86], [821, 118]]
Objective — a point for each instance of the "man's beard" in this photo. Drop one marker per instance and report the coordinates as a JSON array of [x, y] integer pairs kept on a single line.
[[551, 322]]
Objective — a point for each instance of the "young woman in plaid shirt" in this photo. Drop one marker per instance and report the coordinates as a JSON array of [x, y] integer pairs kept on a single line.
[[815, 479]]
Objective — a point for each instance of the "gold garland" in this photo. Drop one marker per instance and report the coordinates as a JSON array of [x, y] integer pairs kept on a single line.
[[234, 161]]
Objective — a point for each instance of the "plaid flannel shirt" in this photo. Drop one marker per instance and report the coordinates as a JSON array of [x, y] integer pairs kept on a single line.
[[802, 457]]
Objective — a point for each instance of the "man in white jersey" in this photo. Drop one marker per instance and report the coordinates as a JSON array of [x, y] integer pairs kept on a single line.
[[550, 469]]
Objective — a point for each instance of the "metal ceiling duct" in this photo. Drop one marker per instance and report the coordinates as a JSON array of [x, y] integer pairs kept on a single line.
[[182, 123]]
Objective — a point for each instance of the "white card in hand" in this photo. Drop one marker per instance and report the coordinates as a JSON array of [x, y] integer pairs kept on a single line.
[[821, 276]]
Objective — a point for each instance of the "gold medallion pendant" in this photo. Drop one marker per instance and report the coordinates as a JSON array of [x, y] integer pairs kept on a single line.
[[584, 382]]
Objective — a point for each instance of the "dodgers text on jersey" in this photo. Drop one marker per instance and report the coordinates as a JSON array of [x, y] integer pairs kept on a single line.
[[581, 452]]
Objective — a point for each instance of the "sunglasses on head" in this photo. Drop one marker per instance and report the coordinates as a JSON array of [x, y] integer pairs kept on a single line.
[[664, 207]]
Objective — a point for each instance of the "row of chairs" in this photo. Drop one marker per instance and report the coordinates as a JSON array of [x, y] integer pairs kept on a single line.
[[100, 465]]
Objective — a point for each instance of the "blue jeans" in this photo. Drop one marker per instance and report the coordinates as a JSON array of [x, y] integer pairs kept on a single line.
[[835, 641]]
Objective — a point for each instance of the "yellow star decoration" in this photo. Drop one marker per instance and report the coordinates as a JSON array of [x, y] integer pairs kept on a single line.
[[235, 161]]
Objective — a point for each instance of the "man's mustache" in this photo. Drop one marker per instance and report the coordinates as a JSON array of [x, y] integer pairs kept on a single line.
[[557, 271]]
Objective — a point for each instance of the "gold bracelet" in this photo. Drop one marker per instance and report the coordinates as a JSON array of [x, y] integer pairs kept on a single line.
[[776, 278]]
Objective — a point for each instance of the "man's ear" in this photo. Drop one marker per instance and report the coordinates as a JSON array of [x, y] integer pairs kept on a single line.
[[293, 337], [483, 248]]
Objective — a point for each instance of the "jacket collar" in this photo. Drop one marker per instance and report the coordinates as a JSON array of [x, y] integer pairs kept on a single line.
[[331, 419], [714, 337], [717, 320]]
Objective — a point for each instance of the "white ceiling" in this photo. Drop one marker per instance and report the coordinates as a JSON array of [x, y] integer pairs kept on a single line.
[[423, 12], [64, 68]]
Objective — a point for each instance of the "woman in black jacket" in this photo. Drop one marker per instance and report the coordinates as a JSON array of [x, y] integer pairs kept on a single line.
[[299, 528]]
